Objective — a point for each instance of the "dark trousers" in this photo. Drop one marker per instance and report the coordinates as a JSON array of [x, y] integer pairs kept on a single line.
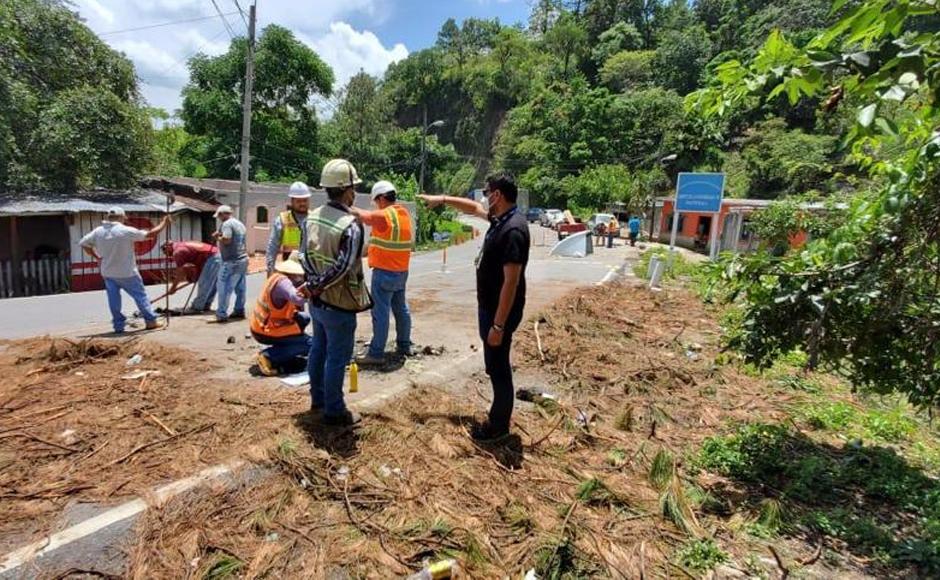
[[499, 370]]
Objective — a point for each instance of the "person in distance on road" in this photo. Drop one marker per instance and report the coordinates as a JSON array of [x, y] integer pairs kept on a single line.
[[232, 274]]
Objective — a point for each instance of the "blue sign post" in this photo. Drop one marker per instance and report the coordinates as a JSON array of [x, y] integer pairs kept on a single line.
[[701, 193]]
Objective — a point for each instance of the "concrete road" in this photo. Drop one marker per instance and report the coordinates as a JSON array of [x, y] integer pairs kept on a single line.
[[87, 312]]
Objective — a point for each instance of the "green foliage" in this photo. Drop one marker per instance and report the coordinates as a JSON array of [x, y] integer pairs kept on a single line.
[[628, 70], [681, 58], [681, 267], [889, 425], [701, 555], [620, 37], [285, 132], [781, 161], [783, 219], [866, 297], [69, 111]]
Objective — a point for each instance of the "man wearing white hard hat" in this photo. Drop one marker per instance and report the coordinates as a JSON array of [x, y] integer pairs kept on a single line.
[[278, 319], [234, 270], [389, 257], [332, 261], [285, 231], [112, 244]]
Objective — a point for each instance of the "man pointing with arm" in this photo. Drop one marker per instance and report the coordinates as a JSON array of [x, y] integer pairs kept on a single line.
[[500, 290]]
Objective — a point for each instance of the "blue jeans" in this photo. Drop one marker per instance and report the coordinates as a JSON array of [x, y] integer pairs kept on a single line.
[[283, 350], [208, 279], [388, 292], [232, 279], [134, 286], [334, 336]]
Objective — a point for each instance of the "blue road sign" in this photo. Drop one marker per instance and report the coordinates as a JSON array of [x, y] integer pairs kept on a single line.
[[700, 192]]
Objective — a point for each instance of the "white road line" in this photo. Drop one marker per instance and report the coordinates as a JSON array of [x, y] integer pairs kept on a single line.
[[17, 558]]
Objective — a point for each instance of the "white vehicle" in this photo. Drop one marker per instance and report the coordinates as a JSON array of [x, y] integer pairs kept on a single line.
[[598, 219], [550, 217]]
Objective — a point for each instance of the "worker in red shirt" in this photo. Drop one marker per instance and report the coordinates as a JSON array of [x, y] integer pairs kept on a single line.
[[199, 263]]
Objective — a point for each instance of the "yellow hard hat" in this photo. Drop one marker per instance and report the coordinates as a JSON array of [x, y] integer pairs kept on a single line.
[[291, 266], [339, 173]]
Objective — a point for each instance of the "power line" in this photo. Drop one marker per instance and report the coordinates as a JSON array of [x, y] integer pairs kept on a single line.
[[228, 26], [241, 12], [199, 19]]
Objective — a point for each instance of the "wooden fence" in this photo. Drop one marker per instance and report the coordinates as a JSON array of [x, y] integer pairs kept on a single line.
[[48, 275]]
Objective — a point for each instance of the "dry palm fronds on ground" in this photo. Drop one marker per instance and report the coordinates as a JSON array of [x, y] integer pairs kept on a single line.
[[77, 422], [590, 484]]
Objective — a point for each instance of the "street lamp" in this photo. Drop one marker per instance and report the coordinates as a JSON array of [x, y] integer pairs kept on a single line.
[[424, 151]]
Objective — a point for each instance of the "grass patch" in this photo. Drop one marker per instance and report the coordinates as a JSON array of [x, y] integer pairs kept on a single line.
[[701, 555], [889, 425], [681, 267]]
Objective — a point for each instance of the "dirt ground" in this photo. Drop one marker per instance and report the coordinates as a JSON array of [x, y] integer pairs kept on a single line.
[[593, 482], [569, 495]]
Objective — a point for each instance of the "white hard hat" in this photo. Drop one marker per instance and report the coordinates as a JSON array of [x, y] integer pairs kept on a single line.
[[381, 188], [299, 190], [116, 211], [223, 209], [339, 173], [291, 266]]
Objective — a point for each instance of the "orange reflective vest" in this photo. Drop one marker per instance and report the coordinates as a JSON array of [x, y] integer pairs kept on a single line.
[[390, 248], [272, 322]]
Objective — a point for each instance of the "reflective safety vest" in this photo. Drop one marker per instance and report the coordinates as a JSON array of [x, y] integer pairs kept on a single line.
[[325, 227], [290, 232], [272, 322], [390, 249]]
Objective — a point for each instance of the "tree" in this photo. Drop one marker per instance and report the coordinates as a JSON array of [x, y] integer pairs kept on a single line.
[[568, 40], [780, 161], [681, 57], [865, 299], [629, 69], [285, 141], [70, 115], [363, 120], [617, 38]]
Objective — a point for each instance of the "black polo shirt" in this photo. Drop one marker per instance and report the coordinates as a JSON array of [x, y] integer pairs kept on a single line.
[[506, 242]]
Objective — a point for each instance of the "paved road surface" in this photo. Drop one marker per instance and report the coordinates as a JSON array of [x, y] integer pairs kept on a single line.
[[87, 312]]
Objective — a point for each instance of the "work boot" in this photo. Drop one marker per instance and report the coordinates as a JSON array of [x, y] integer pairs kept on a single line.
[[487, 433], [152, 325], [265, 366], [238, 315], [347, 419], [367, 360]]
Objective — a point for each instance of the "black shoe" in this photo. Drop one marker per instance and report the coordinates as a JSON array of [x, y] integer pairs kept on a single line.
[[237, 316], [486, 433], [347, 419]]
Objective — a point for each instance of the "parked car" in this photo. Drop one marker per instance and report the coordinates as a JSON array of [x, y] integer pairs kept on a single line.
[[534, 214], [550, 217]]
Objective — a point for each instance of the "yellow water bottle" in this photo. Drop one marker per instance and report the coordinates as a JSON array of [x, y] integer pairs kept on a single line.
[[353, 377]]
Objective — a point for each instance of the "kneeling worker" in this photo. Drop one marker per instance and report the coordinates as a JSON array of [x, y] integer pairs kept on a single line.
[[278, 319], [389, 257]]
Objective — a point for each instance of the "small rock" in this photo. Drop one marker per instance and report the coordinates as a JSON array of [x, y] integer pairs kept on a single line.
[[247, 335], [134, 360], [68, 437], [80, 373], [230, 340], [384, 471], [272, 537], [342, 474], [695, 347]]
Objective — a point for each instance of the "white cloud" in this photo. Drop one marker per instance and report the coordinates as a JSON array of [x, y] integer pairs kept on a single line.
[[99, 10], [160, 53], [349, 51]]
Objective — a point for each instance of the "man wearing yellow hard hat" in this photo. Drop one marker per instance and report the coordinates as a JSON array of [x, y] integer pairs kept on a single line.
[[278, 319], [332, 261]]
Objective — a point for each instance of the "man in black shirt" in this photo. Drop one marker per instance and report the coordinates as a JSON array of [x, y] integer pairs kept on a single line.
[[500, 289]]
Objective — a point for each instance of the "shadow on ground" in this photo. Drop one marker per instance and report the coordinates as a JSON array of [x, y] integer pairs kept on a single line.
[[339, 441], [863, 500]]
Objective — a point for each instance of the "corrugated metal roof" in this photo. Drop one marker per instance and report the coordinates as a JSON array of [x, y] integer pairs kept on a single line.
[[95, 201]]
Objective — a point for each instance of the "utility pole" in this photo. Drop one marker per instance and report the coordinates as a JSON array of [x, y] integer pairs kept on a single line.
[[424, 155], [246, 118]]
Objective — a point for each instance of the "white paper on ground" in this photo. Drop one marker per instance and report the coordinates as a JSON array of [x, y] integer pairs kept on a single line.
[[298, 380]]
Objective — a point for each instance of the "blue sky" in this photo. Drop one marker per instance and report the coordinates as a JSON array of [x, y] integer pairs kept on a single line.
[[348, 34]]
